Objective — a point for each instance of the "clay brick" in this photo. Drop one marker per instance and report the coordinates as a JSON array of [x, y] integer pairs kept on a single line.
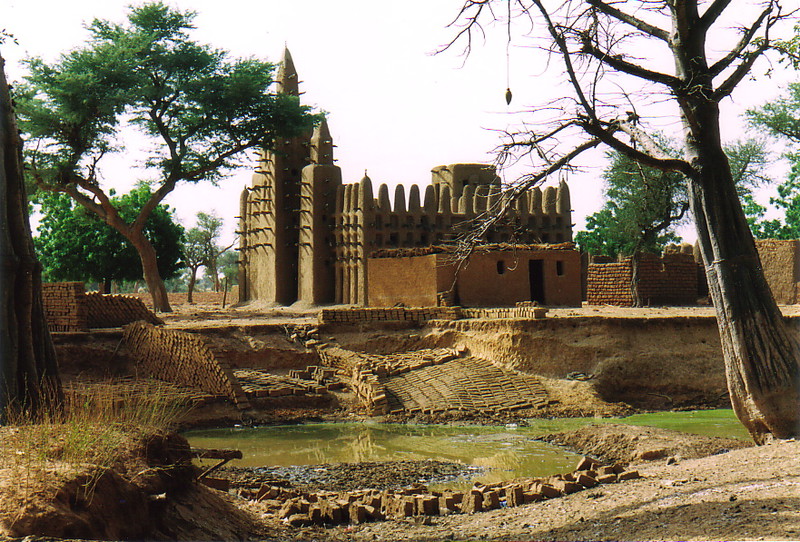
[[472, 502], [629, 475]]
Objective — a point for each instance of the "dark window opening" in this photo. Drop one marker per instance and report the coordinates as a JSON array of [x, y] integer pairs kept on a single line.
[[501, 267], [559, 268], [536, 277]]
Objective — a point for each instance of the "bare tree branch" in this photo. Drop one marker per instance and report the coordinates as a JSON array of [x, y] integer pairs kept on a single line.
[[635, 22]]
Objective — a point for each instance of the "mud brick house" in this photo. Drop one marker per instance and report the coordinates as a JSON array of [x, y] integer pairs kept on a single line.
[[494, 276], [305, 236], [670, 279]]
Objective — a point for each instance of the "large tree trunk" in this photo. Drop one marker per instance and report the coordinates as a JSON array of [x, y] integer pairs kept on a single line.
[[149, 259], [762, 356], [28, 369]]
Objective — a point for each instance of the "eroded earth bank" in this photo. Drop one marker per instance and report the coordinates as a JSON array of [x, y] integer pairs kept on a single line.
[[636, 483]]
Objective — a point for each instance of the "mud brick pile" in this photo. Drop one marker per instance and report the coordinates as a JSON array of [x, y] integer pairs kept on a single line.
[[299, 509], [464, 384], [182, 358], [117, 310], [520, 312], [433, 381], [667, 280], [314, 380], [64, 306], [394, 314]]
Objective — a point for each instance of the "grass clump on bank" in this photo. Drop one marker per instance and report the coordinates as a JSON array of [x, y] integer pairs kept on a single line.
[[98, 427]]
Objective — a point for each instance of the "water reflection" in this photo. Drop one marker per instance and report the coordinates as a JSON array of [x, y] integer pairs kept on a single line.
[[509, 451]]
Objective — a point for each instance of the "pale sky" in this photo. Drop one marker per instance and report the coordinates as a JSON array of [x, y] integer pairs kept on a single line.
[[395, 109]]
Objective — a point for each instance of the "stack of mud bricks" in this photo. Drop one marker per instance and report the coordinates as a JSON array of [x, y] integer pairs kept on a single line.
[[332, 508], [182, 358], [65, 306], [117, 310], [395, 314], [369, 390], [667, 280], [524, 310], [325, 377]]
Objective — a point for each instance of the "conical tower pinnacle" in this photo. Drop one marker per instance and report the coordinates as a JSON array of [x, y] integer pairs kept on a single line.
[[287, 75], [322, 144]]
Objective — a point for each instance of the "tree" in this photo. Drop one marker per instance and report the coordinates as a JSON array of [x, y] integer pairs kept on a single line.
[[200, 109], [593, 42], [75, 244], [28, 368], [644, 205], [201, 249], [782, 118]]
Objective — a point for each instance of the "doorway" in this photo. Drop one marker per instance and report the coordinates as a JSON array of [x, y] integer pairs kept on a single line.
[[536, 276]]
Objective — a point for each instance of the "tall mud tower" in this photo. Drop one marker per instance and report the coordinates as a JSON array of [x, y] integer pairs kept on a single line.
[[270, 214]]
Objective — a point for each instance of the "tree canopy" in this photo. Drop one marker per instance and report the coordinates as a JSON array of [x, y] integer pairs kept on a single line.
[[197, 108], [644, 205], [76, 245]]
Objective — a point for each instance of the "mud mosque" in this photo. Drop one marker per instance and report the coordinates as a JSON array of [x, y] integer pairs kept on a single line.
[[305, 236]]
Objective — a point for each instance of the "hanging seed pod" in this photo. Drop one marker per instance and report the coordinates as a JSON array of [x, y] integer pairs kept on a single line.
[[508, 96]]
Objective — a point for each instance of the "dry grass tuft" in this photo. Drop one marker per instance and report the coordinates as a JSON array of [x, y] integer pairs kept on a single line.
[[99, 426]]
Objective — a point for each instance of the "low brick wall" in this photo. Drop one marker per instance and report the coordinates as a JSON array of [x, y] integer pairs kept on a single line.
[[524, 310], [667, 280], [116, 310], [357, 316], [182, 358], [64, 306]]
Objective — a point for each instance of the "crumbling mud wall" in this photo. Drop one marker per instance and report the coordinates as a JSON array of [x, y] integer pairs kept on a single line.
[[69, 308], [64, 307], [182, 358], [635, 360], [105, 310]]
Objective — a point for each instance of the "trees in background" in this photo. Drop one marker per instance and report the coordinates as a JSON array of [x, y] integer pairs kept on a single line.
[[619, 62], [644, 205], [28, 367], [76, 245], [202, 250], [199, 110]]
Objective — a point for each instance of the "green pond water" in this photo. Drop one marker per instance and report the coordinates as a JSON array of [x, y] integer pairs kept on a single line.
[[508, 452]]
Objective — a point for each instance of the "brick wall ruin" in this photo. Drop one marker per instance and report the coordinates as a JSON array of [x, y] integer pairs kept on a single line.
[[69, 308], [105, 310], [670, 279], [64, 306], [182, 358]]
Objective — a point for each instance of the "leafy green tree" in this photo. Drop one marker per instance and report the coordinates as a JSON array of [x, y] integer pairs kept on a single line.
[[202, 250], [782, 118], [75, 244], [200, 110], [643, 205]]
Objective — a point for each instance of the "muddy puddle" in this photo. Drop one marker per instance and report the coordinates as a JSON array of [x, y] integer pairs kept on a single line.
[[488, 453]]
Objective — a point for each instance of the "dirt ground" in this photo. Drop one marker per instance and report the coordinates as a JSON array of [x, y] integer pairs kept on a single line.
[[692, 488]]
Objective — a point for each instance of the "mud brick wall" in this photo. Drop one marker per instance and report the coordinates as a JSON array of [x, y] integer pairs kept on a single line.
[[182, 358], [667, 280], [609, 284], [117, 310], [64, 306], [524, 311], [781, 263], [366, 315]]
